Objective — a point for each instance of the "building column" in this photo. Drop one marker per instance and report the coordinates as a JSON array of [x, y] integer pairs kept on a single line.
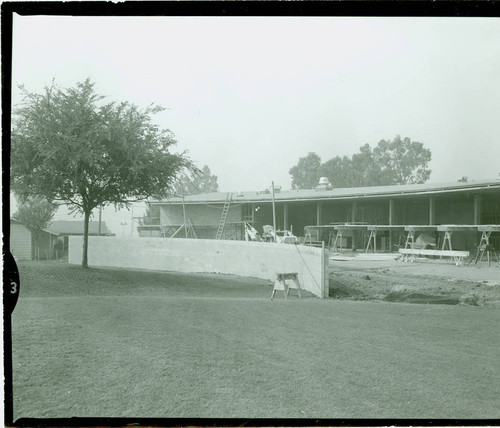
[[391, 221], [432, 211], [285, 216], [318, 213], [477, 209], [253, 214], [391, 212], [354, 211]]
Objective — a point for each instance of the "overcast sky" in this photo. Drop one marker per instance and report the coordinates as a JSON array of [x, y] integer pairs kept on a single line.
[[249, 96]]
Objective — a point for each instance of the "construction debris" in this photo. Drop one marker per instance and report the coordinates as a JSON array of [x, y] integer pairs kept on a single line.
[[279, 236]]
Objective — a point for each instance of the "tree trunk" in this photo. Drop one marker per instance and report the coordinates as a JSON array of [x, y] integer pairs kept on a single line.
[[35, 245], [85, 263]]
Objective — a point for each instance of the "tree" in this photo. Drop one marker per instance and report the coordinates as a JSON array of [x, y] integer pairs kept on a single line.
[[200, 181], [70, 146], [35, 213], [339, 171], [397, 161], [365, 169], [402, 161], [305, 175]]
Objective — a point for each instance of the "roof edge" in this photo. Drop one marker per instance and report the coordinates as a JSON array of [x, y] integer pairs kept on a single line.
[[326, 195]]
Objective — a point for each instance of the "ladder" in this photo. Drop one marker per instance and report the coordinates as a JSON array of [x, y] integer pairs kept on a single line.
[[190, 228], [223, 218]]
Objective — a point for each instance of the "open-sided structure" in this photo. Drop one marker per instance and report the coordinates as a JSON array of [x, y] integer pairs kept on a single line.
[[457, 203]]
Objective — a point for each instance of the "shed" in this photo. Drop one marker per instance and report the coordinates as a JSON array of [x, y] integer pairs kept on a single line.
[[20, 240], [22, 246]]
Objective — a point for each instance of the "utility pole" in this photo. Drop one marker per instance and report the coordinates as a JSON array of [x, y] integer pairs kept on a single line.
[[131, 221], [184, 213], [274, 213], [100, 215]]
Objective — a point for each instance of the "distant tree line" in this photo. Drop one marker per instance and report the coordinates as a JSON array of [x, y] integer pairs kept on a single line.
[[396, 161]]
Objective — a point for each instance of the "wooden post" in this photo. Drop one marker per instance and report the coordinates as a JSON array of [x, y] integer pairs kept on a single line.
[[432, 211], [274, 212], [131, 221], [324, 272], [391, 212], [318, 214], [184, 214], [353, 220], [285, 216], [354, 211], [100, 216], [477, 209], [391, 221]]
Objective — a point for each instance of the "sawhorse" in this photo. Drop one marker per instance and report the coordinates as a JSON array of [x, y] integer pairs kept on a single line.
[[447, 239], [410, 240], [337, 244], [281, 283], [373, 236], [485, 247]]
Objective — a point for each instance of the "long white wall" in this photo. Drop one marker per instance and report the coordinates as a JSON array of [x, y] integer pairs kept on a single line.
[[253, 259]]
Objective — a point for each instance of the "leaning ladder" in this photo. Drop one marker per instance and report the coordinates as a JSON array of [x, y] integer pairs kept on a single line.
[[223, 218], [190, 228]]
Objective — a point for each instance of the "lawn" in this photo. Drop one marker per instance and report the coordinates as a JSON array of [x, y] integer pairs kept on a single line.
[[115, 343]]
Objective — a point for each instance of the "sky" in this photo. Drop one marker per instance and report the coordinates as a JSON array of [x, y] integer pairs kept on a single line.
[[249, 96]]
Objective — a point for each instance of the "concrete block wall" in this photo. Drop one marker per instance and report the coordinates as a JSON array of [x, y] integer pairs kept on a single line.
[[252, 259]]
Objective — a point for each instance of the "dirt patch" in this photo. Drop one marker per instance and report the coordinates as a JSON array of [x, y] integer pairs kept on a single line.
[[426, 283]]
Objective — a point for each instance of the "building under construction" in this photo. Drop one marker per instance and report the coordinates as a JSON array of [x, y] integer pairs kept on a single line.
[[224, 215]]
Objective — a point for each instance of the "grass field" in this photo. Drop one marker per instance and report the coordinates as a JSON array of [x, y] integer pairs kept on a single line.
[[103, 343]]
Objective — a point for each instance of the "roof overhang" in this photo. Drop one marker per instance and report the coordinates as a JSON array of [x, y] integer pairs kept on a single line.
[[338, 194]]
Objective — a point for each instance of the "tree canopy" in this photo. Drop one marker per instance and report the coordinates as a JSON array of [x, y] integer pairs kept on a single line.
[[305, 174], [69, 145], [396, 161], [402, 161], [35, 213], [200, 181]]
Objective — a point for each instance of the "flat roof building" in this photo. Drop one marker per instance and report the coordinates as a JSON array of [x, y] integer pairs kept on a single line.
[[464, 202]]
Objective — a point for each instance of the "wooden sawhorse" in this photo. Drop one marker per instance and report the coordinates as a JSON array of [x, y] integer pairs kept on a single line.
[[281, 285], [485, 247], [410, 240], [372, 237], [337, 243]]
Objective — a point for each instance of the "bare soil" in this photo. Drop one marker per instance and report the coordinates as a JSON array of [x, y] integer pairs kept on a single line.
[[424, 281]]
